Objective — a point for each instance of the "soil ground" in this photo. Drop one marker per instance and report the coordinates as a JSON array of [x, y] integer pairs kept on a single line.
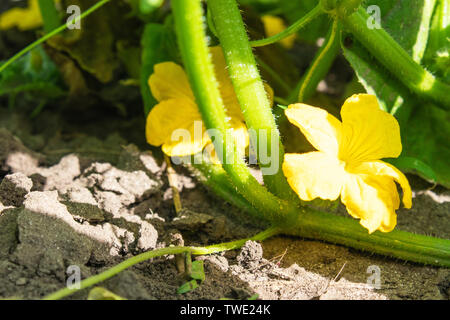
[[84, 190]]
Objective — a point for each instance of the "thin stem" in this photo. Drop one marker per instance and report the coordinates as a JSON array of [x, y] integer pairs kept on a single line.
[[320, 66], [49, 15], [172, 177], [51, 34], [194, 49], [158, 253], [251, 94], [386, 50], [290, 30]]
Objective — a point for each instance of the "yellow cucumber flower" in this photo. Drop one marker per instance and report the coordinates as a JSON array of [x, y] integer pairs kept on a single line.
[[177, 109], [347, 163], [274, 25], [23, 18]]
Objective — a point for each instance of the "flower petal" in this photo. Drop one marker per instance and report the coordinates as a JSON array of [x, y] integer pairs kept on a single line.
[[369, 133], [321, 129], [189, 143], [240, 134], [372, 199], [314, 174], [167, 117], [22, 18], [169, 81], [381, 168]]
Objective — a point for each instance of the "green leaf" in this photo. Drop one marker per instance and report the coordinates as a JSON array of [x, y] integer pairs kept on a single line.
[[187, 287], [34, 76], [426, 138], [158, 45], [415, 164], [99, 293], [148, 6], [424, 128], [437, 54], [197, 271]]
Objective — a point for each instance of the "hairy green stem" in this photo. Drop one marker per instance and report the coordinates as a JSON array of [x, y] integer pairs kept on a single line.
[[51, 34], [303, 21], [386, 50], [158, 253], [251, 94], [399, 244], [292, 220], [49, 15], [194, 49], [320, 66], [215, 177]]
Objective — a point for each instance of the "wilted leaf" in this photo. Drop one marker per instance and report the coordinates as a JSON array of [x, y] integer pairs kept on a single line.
[[71, 74], [92, 46]]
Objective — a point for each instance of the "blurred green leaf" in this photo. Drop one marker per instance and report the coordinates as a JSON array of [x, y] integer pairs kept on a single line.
[[35, 76], [437, 54], [148, 6], [158, 45], [130, 56]]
